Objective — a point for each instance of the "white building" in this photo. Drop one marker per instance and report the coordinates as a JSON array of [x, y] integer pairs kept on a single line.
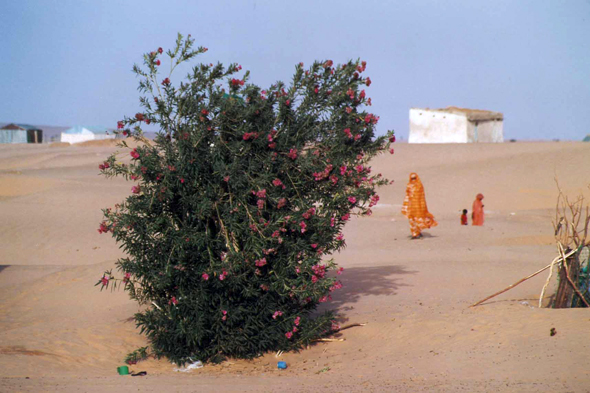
[[455, 125], [79, 134]]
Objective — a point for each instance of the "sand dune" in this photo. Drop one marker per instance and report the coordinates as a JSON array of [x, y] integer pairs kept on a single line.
[[62, 333]]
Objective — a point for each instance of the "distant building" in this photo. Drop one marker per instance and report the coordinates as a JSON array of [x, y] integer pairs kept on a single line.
[[20, 133], [79, 134], [455, 125]]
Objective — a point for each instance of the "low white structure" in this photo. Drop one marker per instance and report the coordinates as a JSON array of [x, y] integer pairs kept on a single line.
[[455, 125], [79, 134]]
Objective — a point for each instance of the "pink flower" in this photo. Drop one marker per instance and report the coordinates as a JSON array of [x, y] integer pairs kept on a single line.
[[348, 110], [160, 50], [166, 82], [303, 226], [328, 63], [314, 245], [278, 183], [104, 280], [392, 138], [120, 125], [296, 321], [277, 314], [136, 189], [391, 151], [237, 82], [158, 62], [181, 180], [314, 279], [282, 202], [292, 154], [343, 169], [352, 199], [368, 81], [173, 301], [340, 237], [357, 137], [260, 262], [346, 217], [226, 179], [348, 133], [261, 193], [133, 153], [332, 221], [289, 335], [205, 276]]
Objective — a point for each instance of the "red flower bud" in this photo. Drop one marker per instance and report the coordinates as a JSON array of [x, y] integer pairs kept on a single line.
[[160, 50]]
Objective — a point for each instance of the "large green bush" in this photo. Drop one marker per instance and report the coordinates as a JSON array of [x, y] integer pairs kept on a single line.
[[238, 202]]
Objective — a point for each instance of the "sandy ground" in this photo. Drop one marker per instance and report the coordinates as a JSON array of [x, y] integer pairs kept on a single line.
[[59, 333]]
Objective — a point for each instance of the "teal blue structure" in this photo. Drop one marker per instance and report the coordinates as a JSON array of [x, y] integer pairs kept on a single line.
[[587, 139]]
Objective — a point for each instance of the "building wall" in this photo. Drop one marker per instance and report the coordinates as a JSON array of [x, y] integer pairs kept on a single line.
[[486, 131], [77, 138], [13, 136], [427, 126]]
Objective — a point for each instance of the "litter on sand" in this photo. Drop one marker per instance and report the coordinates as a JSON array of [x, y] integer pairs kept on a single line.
[[192, 366]]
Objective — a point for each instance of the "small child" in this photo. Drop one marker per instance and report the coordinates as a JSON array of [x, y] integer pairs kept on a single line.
[[464, 217]]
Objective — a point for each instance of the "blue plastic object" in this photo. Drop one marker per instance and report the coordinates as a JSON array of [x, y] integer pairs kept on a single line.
[[282, 365]]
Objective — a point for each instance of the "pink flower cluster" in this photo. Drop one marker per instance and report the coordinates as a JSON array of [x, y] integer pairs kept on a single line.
[[303, 226], [260, 262], [374, 200], [104, 165], [348, 133], [277, 314], [309, 213], [337, 285], [134, 154], [292, 154], [237, 82], [205, 276], [278, 183], [250, 135], [324, 174], [352, 199], [224, 312], [370, 118], [223, 275], [136, 189], [103, 228], [173, 301], [282, 202]]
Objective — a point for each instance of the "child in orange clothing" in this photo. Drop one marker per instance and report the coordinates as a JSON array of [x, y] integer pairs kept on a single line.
[[464, 217]]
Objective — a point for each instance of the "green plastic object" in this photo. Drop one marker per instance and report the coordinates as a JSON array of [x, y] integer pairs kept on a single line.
[[123, 370]]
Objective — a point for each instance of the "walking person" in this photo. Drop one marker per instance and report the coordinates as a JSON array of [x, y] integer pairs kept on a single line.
[[477, 211], [415, 209]]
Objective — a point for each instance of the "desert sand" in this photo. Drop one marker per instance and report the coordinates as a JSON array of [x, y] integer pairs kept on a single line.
[[60, 333]]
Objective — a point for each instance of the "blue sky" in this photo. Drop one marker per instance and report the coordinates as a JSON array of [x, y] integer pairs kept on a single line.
[[69, 62]]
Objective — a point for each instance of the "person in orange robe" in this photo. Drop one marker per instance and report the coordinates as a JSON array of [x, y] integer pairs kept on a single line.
[[477, 211], [414, 207]]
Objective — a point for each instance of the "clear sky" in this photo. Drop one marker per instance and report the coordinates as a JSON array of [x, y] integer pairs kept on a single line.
[[69, 62]]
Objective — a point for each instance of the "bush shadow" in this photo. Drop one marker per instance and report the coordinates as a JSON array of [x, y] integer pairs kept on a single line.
[[366, 281]]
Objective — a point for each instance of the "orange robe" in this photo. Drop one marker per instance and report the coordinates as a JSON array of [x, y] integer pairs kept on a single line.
[[414, 207], [477, 211]]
